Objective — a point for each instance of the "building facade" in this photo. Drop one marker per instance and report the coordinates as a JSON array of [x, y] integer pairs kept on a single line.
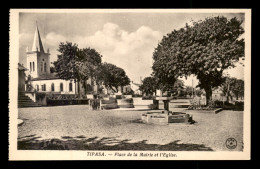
[[38, 73], [21, 77]]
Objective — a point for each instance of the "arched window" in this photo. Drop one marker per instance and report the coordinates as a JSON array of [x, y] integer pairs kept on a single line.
[[41, 66], [30, 66], [70, 87], [61, 87], [45, 67], [37, 87], [33, 67], [52, 87], [44, 87]]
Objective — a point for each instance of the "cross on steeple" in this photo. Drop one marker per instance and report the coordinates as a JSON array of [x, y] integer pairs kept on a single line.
[[37, 42]]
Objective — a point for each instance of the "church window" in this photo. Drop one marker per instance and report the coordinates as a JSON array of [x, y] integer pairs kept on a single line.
[[41, 66], [30, 66], [44, 87], [52, 87], [70, 87], [37, 87], [61, 87], [33, 67], [45, 67]]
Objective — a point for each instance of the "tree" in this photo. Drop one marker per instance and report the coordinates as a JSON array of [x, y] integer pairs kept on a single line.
[[233, 86], [52, 69], [164, 79], [149, 85], [198, 92], [238, 88], [112, 76], [204, 49], [88, 62], [178, 88], [77, 64], [189, 90], [65, 65], [227, 86]]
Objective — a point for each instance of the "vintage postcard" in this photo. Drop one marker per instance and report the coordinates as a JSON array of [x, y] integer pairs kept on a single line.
[[130, 84]]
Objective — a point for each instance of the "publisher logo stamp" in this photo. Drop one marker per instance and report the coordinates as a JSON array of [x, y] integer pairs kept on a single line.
[[231, 143]]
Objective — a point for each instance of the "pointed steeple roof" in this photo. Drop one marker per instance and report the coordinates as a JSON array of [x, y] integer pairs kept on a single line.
[[37, 42]]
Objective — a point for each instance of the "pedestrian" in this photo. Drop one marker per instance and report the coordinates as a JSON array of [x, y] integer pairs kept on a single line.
[[94, 103]]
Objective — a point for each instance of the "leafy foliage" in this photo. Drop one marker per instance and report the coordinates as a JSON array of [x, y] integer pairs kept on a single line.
[[149, 85], [65, 65], [77, 64], [40, 96], [88, 62], [198, 92], [112, 76], [178, 88], [238, 88], [233, 86], [52, 69], [204, 49], [189, 90]]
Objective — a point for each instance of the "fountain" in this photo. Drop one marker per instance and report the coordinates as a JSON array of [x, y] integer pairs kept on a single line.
[[165, 117]]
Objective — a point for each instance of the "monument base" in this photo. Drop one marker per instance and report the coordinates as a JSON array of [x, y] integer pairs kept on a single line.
[[165, 117]]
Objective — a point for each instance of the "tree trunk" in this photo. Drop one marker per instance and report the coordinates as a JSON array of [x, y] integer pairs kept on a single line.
[[112, 89], [227, 98], [208, 95]]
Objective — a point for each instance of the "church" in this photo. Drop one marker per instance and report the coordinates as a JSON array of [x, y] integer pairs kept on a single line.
[[39, 77]]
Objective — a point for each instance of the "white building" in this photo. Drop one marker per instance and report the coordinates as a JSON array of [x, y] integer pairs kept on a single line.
[[39, 75]]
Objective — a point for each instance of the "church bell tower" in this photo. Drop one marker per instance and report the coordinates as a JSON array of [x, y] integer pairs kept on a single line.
[[38, 62]]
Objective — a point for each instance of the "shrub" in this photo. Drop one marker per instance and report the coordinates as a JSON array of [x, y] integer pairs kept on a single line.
[[108, 101], [118, 96], [218, 103], [112, 99], [129, 92], [111, 106], [181, 97], [239, 105], [150, 97], [53, 102], [62, 96], [137, 95], [197, 106], [40, 96]]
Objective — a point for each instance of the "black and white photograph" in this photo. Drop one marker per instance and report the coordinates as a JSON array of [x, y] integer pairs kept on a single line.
[[129, 84]]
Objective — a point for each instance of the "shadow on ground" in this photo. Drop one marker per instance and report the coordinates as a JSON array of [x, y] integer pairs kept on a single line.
[[105, 143]]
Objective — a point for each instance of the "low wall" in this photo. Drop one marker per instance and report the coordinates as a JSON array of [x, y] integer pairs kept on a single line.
[[31, 95], [52, 102], [128, 96], [155, 118], [108, 103], [179, 118], [90, 96], [125, 103], [139, 101], [42, 101], [204, 111], [164, 118]]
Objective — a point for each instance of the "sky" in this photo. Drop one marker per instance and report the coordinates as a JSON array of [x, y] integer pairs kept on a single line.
[[124, 39]]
